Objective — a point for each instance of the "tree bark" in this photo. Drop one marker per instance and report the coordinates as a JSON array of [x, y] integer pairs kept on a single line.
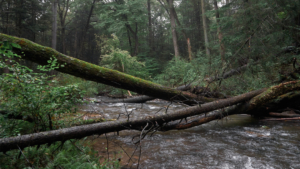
[[7, 144], [258, 98], [183, 32], [173, 28], [88, 71], [54, 23], [62, 15], [81, 43], [205, 28], [220, 35], [150, 36], [136, 40], [142, 99], [279, 101]]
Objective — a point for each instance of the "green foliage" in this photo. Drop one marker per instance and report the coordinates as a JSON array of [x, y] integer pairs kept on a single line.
[[115, 58], [32, 95], [71, 155], [37, 96], [88, 87], [177, 72]]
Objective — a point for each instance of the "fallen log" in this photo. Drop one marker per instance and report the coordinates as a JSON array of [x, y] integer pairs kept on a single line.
[[282, 119], [41, 54], [142, 99], [262, 96], [204, 118], [7, 144], [273, 114], [227, 74], [279, 102]]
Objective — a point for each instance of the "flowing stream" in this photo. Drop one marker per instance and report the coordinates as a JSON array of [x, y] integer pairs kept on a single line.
[[238, 141]]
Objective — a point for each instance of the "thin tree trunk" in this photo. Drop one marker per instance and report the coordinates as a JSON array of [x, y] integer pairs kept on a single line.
[[54, 23], [136, 51], [184, 34], [205, 28], [136, 40], [76, 67], [33, 20], [129, 40], [173, 15], [150, 36], [173, 28], [189, 49], [81, 43], [62, 15], [220, 35]]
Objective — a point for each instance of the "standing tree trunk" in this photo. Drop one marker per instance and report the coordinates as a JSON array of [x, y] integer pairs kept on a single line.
[[136, 49], [205, 28], [129, 40], [62, 16], [220, 35], [183, 32], [136, 40], [189, 48], [81, 42], [173, 27], [150, 36], [54, 23]]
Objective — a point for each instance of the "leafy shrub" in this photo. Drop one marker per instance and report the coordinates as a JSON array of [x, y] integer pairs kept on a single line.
[[38, 97], [33, 95], [114, 58]]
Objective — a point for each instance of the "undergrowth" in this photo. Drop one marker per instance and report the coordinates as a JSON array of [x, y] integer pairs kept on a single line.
[[33, 102], [68, 155]]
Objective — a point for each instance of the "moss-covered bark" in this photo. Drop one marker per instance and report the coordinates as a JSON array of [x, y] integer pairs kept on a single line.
[[279, 102], [106, 127], [274, 92], [40, 54]]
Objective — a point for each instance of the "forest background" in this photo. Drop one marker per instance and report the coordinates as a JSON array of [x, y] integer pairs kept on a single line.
[[164, 36]]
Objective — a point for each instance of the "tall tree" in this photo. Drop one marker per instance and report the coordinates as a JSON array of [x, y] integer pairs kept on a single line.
[[63, 7], [205, 28], [85, 29], [220, 35], [150, 36], [173, 27], [54, 23]]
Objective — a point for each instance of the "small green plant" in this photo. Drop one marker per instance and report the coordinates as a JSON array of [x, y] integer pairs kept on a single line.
[[32, 95]]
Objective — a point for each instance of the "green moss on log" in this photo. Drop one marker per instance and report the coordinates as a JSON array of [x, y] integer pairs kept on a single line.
[[40, 54], [274, 92]]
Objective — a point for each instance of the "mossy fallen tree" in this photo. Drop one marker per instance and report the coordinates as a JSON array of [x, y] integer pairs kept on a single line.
[[282, 101], [258, 98], [41, 54]]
